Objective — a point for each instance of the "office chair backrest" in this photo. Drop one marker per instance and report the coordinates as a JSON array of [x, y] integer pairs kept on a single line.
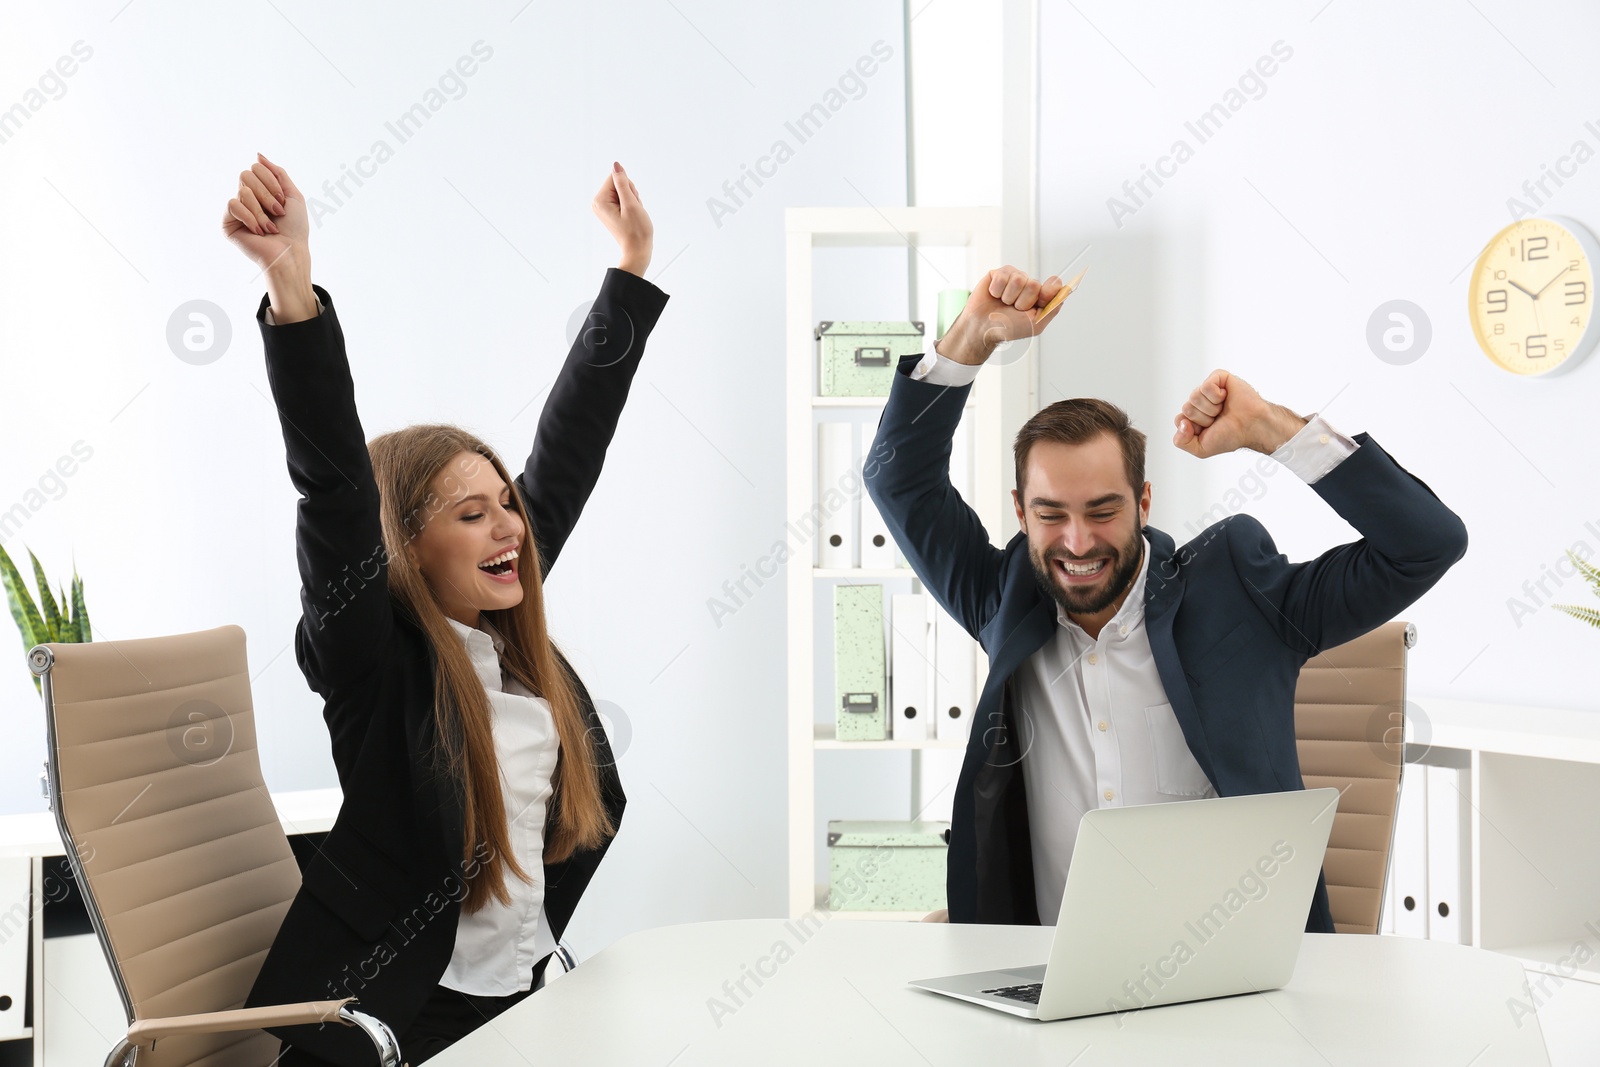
[[1349, 715], [172, 836]]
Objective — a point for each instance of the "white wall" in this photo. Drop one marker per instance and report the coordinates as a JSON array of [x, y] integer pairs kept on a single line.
[[1374, 165], [456, 267]]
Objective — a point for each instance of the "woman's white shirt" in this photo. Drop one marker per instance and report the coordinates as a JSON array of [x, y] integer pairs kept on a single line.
[[497, 946]]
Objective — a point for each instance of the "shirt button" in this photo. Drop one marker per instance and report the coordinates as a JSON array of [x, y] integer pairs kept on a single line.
[[1109, 794], [1102, 725], [1093, 658], [1123, 629], [1322, 438]]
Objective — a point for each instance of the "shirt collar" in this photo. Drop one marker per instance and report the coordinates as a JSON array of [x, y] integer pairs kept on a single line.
[[483, 647], [483, 632], [1132, 605]]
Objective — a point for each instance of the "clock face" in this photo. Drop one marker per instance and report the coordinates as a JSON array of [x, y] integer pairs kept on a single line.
[[1532, 296]]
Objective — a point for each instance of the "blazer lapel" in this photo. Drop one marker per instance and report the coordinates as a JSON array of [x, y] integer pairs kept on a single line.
[[439, 805], [1163, 592], [1025, 638]]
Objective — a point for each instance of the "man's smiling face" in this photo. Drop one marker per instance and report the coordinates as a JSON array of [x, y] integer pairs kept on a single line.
[[1084, 523]]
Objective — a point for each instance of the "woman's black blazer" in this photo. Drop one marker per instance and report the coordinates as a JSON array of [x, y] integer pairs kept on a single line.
[[376, 914]]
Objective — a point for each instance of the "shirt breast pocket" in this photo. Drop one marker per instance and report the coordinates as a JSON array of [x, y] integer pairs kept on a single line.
[[1178, 773]]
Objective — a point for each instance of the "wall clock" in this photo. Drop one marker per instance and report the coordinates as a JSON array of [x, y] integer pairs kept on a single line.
[[1531, 296]]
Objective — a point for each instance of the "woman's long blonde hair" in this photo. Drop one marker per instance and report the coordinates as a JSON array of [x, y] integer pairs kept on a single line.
[[405, 464]]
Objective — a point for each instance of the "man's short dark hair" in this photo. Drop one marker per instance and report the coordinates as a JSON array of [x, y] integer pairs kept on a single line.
[[1072, 422]]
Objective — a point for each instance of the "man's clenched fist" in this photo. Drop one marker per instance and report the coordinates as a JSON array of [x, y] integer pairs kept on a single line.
[[1001, 308], [1225, 413]]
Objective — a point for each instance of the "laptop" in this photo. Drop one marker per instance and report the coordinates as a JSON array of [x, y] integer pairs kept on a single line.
[[1171, 902]]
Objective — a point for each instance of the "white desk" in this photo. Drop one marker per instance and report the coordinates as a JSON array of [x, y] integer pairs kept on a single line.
[[840, 996]]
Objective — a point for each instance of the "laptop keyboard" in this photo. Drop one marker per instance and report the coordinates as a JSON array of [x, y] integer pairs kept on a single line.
[[1027, 993]]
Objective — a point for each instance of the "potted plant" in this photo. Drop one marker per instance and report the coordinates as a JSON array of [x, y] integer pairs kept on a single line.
[[47, 621], [1591, 574]]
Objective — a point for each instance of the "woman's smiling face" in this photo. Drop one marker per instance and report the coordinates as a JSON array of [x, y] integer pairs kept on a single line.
[[472, 521]]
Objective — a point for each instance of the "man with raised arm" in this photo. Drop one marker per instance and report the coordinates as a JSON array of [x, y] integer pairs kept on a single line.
[[1123, 668]]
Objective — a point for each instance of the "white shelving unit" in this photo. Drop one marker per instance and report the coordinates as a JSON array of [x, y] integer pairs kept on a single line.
[[1528, 839], [1535, 816], [1000, 401]]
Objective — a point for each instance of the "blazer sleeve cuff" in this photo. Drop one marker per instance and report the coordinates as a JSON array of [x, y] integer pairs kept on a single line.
[[643, 299], [1315, 450], [940, 370], [270, 328]]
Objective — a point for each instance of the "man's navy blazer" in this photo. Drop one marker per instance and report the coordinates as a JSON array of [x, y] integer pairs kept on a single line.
[[1230, 622]]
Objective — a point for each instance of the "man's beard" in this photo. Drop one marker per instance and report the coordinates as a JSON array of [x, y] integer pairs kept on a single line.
[[1123, 566]]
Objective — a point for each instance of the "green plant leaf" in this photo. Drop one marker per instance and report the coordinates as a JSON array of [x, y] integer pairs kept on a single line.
[[52, 614], [80, 613], [1583, 614], [1590, 572], [21, 604]]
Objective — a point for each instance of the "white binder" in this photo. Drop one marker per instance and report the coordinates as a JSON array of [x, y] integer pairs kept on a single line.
[[16, 917], [1449, 876], [878, 549], [910, 667], [1408, 861], [834, 456], [955, 677]]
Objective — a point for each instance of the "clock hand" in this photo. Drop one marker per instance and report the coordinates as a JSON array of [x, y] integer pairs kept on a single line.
[[1538, 322], [1552, 281]]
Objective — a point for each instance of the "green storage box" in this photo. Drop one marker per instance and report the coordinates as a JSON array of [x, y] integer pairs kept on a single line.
[[860, 677], [858, 358], [887, 866]]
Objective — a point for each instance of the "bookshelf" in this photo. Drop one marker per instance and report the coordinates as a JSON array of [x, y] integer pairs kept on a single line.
[[1000, 401]]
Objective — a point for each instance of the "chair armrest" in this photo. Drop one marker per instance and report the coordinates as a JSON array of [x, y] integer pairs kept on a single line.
[[563, 955], [146, 1031]]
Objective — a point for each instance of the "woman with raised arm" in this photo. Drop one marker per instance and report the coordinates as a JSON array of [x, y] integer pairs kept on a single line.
[[479, 787]]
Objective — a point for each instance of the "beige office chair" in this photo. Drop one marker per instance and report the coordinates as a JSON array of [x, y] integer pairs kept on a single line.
[[1349, 718], [175, 844]]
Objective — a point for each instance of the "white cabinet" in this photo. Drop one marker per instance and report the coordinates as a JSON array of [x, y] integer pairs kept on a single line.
[[16, 902], [72, 1001], [1517, 825], [83, 1017]]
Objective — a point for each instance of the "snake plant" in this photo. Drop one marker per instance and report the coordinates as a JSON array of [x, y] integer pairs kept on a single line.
[[1591, 574], [67, 621]]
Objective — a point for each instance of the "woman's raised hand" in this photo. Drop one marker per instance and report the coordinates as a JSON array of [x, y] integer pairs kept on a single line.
[[617, 204], [267, 221], [268, 215]]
